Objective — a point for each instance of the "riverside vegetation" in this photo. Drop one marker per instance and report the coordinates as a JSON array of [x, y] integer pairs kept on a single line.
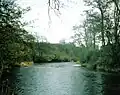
[[101, 36]]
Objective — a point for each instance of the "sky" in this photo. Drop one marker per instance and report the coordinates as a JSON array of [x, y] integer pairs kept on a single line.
[[61, 26]]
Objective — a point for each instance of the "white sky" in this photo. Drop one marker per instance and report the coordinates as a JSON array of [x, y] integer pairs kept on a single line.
[[61, 27]]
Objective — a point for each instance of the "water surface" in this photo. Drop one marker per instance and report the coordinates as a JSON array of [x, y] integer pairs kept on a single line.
[[63, 79]]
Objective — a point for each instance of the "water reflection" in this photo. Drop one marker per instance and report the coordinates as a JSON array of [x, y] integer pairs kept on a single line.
[[93, 84], [60, 79], [111, 84]]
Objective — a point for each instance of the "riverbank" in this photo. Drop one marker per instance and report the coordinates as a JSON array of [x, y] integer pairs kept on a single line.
[[85, 65], [27, 63], [24, 64], [51, 61], [101, 68]]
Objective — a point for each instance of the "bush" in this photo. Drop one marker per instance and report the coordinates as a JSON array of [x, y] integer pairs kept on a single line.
[[90, 56]]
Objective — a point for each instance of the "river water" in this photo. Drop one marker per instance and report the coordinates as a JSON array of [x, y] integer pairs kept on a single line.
[[63, 79]]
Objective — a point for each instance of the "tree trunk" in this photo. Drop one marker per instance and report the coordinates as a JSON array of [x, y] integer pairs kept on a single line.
[[100, 7], [86, 38], [102, 28], [94, 40], [108, 37], [116, 21]]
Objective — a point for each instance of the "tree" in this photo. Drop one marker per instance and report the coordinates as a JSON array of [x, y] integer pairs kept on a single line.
[[62, 41], [88, 32], [101, 5], [15, 41]]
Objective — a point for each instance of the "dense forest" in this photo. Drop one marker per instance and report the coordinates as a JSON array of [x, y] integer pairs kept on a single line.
[[61, 52], [46, 52]]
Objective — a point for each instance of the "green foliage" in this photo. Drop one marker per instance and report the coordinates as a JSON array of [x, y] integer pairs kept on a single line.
[[46, 52], [16, 44], [109, 56], [100, 27], [89, 55]]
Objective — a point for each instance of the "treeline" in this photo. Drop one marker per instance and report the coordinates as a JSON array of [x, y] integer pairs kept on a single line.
[[46, 52], [100, 34]]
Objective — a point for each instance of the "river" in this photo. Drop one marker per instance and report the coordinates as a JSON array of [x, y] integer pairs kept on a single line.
[[63, 79]]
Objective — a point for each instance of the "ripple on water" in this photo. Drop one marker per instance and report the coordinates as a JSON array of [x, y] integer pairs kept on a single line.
[[63, 79]]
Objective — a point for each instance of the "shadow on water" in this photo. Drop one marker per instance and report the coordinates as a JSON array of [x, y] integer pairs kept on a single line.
[[111, 84], [93, 84], [97, 83], [60, 79]]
